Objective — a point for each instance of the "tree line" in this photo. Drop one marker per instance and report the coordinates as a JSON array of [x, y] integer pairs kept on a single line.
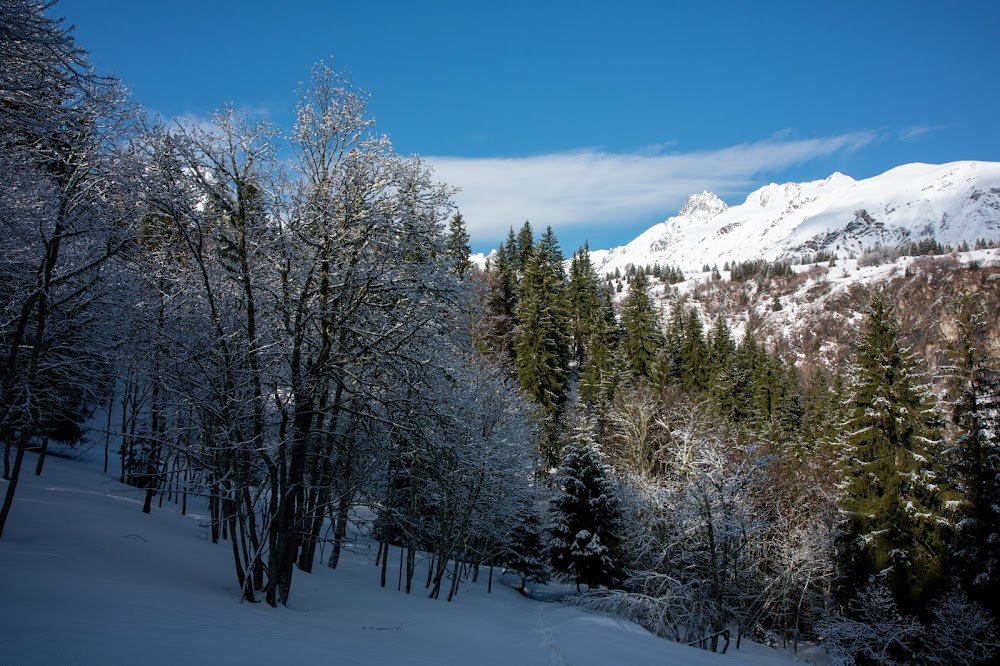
[[750, 493]]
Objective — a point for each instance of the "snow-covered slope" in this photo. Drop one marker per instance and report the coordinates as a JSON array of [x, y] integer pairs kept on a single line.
[[87, 578], [952, 203]]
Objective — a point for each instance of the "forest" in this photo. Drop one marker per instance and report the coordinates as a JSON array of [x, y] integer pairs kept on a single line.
[[303, 342]]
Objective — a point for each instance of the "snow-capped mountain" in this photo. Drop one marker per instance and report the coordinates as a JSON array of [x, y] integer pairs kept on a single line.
[[954, 202]]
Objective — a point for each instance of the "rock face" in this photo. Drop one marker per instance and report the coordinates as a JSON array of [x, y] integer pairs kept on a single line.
[[951, 203]]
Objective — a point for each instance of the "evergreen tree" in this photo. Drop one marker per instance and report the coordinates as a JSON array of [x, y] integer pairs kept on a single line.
[[526, 556], [693, 353], [641, 327], [512, 254], [457, 245], [524, 246], [668, 363], [720, 344], [542, 339], [598, 375], [892, 529], [584, 302], [585, 515], [975, 457], [734, 387], [820, 409]]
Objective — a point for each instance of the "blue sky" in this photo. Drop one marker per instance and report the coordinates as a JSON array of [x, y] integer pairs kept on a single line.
[[595, 118]]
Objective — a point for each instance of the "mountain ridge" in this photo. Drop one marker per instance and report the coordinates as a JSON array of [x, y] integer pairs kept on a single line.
[[953, 203]]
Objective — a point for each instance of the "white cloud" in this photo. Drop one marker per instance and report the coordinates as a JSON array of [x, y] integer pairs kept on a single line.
[[588, 187], [915, 132]]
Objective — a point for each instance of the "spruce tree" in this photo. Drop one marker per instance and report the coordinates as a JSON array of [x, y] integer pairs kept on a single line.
[[526, 556], [585, 515], [583, 295], [598, 374], [693, 353], [525, 245], [641, 328], [891, 495], [542, 338], [668, 362], [457, 245], [975, 455]]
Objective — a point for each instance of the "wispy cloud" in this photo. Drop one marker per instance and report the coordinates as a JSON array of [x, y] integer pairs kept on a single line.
[[916, 131], [590, 187]]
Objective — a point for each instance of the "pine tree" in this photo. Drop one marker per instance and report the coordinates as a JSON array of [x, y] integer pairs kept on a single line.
[[892, 528], [458, 247], [641, 327], [585, 515]]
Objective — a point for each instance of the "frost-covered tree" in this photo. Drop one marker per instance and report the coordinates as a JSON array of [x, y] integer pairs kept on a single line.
[[67, 178], [690, 527], [584, 530], [525, 554]]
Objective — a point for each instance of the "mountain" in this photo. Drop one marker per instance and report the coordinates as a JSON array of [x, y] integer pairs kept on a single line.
[[951, 203]]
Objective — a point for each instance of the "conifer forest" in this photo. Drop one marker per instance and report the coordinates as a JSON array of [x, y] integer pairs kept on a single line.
[[286, 324]]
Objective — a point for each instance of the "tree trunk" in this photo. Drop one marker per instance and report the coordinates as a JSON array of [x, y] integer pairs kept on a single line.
[[385, 560], [399, 583], [454, 582], [8, 499], [107, 429], [6, 456], [41, 456], [340, 532]]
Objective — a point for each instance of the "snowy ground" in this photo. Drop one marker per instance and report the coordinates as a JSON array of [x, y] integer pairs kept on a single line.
[[86, 578]]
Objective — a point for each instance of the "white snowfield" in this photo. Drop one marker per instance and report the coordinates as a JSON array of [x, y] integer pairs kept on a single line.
[[86, 578], [954, 202]]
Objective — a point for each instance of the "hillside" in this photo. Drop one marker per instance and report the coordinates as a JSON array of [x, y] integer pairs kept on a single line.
[[97, 581], [951, 203]]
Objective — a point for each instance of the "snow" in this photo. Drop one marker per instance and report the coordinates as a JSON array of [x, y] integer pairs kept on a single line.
[[88, 578], [954, 202]]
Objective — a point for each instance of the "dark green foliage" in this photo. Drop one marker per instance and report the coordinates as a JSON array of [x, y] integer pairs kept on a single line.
[[526, 553], [641, 326], [668, 362], [584, 298], [693, 354], [821, 413], [585, 515], [524, 246], [891, 497], [599, 373], [541, 348], [457, 246], [975, 457]]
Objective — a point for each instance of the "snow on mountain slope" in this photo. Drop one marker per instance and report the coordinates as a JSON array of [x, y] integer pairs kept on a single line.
[[954, 202]]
